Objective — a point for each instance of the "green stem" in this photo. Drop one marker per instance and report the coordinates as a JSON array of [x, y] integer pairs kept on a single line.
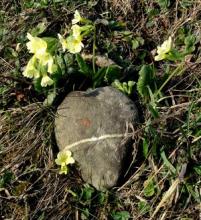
[[170, 77], [94, 51]]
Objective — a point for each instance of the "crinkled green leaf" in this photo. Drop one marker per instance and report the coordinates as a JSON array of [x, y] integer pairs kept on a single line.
[[149, 189], [84, 67], [146, 75], [40, 28], [122, 215], [50, 98], [190, 44], [143, 207]]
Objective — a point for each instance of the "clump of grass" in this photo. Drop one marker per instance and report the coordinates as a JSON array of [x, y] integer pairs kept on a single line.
[[29, 181]]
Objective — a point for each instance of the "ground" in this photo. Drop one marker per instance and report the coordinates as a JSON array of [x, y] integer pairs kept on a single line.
[[163, 181]]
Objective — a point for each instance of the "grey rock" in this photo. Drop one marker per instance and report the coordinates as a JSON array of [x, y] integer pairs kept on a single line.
[[92, 126]]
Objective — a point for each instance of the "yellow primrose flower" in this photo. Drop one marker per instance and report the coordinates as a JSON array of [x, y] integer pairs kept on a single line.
[[74, 45], [64, 158], [48, 60], [63, 42], [36, 46], [46, 81], [77, 17], [164, 49], [76, 31], [30, 70]]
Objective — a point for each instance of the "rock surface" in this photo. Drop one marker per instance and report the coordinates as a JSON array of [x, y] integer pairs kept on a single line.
[[92, 126]]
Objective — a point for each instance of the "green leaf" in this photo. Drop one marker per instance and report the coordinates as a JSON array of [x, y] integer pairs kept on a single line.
[[186, 3], [153, 111], [116, 25], [87, 192], [164, 4], [143, 207], [122, 215], [190, 44], [10, 53], [98, 77], [52, 44], [68, 59], [6, 178], [194, 191], [145, 147], [85, 214], [37, 85], [102, 197], [42, 216], [149, 189], [112, 72], [197, 169], [135, 44], [146, 74], [167, 162], [50, 98], [175, 55], [152, 12], [61, 64], [84, 68], [40, 28]]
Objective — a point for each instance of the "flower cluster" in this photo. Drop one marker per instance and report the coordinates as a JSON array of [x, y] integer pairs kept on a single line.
[[42, 62], [42, 65], [73, 43], [63, 159], [163, 50]]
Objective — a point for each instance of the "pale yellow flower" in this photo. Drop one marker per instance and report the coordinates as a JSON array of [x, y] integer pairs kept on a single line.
[[30, 69], [74, 45], [76, 31], [48, 60], [160, 57], [46, 81], [36, 46], [77, 17], [63, 42], [163, 49], [64, 158]]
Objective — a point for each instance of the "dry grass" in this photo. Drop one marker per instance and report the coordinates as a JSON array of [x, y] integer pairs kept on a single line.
[[120, 6], [27, 152]]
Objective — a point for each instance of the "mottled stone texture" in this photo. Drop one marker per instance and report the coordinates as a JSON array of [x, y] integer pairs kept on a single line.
[[91, 125]]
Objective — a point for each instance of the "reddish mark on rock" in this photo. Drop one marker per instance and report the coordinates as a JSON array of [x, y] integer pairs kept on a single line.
[[85, 122]]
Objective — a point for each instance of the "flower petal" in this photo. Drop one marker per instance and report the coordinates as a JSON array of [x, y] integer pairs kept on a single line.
[[63, 42], [68, 153], [74, 45], [71, 160], [30, 69], [77, 17], [164, 49], [46, 81], [76, 31], [36, 45]]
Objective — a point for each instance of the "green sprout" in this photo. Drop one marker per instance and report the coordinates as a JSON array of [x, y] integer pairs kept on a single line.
[[125, 87]]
